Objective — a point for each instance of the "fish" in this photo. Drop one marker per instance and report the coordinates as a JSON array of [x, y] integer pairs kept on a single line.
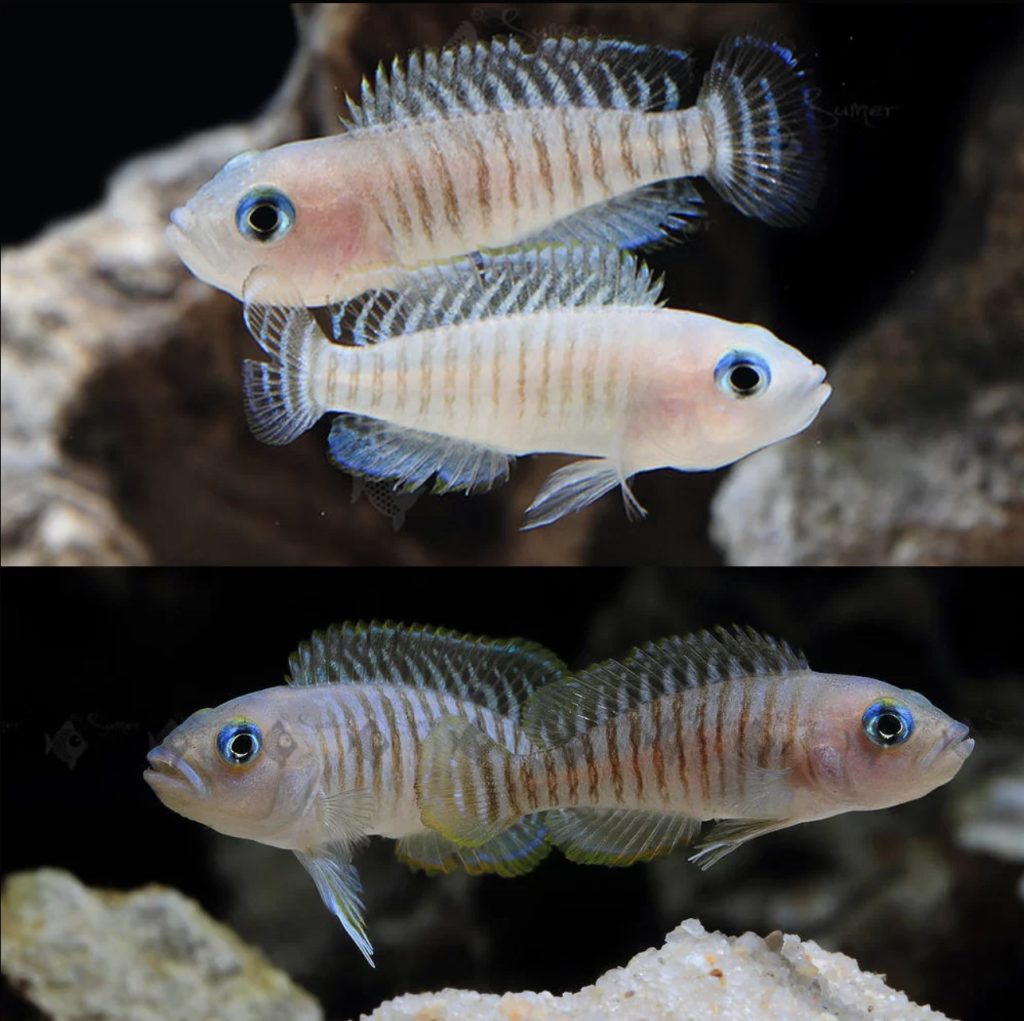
[[486, 146], [556, 349], [632, 756], [322, 762]]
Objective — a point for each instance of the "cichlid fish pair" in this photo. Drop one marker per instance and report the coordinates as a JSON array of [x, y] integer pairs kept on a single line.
[[482, 755], [561, 349], [486, 146]]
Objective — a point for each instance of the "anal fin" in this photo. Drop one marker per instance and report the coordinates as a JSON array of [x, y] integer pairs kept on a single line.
[[649, 216], [617, 836], [513, 853], [376, 449]]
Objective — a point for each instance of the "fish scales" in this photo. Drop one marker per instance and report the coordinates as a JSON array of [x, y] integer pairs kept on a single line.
[[732, 727], [488, 146]]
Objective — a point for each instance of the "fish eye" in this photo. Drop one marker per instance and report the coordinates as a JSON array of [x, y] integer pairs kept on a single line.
[[887, 723], [239, 742], [742, 374], [265, 215]]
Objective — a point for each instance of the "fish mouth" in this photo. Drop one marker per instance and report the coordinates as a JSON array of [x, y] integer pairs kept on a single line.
[[169, 771], [957, 739]]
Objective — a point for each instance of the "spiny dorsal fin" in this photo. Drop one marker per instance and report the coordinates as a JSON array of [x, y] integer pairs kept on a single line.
[[561, 72], [514, 282], [499, 674], [665, 667]]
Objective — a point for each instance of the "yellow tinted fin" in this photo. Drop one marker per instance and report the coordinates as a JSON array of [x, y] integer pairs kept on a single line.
[[617, 836], [513, 853]]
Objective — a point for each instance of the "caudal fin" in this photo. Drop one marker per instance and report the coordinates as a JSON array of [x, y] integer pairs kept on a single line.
[[279, 402], [460, 780], [766, 150]]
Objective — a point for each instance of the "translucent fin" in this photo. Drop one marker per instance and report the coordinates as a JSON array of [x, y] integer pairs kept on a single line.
[[725, 836], [408, 458], [666, 667], [483, 77], [346, 815], [488, 285], [337, 882], [574, 487], [279, 404], [383, 497], [645, 218], [617, 836], [766, 152], [497, 674], [457, 780], [513, 853]]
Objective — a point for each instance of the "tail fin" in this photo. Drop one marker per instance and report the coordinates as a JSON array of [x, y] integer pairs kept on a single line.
[[766, 151], [458, 779], [279, 402]]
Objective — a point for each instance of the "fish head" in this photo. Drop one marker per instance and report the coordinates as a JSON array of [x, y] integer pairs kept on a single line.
[[872, 745], [247, 768], [276, 211], [733, 389]]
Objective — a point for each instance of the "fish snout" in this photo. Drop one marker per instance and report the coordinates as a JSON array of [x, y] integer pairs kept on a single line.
[[168, 769]]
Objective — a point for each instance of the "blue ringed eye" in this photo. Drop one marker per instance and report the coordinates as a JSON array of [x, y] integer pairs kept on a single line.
[[239, 742], [265, 215], [742, 374], [887, 723]]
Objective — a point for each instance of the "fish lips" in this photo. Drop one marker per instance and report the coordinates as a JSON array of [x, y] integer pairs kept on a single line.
[[957, 740], [169, 774]]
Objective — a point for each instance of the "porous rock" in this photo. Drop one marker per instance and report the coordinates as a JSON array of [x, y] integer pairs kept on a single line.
[[695, 975], [148, 955]]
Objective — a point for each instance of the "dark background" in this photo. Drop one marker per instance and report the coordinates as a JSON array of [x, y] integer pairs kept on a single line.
[[123, 655]]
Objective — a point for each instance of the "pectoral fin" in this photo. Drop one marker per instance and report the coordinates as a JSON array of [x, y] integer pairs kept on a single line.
[[337, 882], [576, 486], [727, 834]]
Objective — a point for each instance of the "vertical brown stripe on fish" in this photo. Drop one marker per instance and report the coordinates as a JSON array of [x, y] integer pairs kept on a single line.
[[571, 154], [510, 785], [589, 371], [448, 193], [568, 356], [419, 190], [378, 211], [526, 764], [499, 350], [426, 371], [593, 775], [612, 746], [326, 757], [793, 717], [400, 208], [551, 776], [597, 155], [375, 740], [402, 373], [680, 739], [746, 687], [544, 397], [683, 137], [483, 176], [451, 365], [331, 379], [766, 723], [501, 130], [633, 720], [490, 791], [571, 774], [540, 150], [655, 130], [723, 689], [353, 733], [701, 695], [521, 378], [626, 148], [657, 739], [476, 357], [377, 393], [611, 378], [353, 377], [394, 738]]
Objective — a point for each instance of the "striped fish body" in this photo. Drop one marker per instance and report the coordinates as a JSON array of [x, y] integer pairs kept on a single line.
[[633, 755], [332, 758], [488, 146], [557, 349]]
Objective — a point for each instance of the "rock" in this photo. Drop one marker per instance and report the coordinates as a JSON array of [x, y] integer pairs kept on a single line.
[[919, 457], [148, 955], [696, 974]]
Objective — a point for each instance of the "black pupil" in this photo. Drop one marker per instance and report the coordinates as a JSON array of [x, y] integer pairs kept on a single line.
[[242, 746], [744, 379], [889, 726], [263, 218]]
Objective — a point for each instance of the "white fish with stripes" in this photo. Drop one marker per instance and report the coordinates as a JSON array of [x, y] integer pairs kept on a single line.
[[634, 754], [486, 145], [555, 349], [319, 764]]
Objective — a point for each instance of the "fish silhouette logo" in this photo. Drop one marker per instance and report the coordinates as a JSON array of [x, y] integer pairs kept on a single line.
[[67, 744], [279, 743]]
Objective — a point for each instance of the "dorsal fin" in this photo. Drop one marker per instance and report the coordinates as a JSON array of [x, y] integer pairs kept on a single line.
[[512, 282], [499, 674], [561, 72], [665, 667]]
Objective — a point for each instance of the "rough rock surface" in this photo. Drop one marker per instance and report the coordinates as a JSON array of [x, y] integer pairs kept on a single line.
[[149, 955], [695, 975], [920, 456]]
